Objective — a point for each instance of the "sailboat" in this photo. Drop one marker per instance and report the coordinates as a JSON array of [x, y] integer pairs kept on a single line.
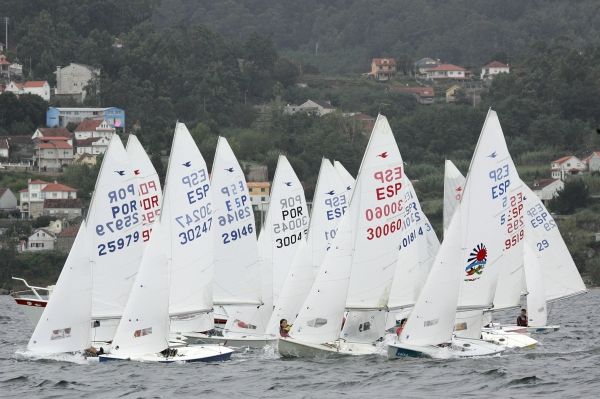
[[237, 266], [466, 267], [106, 248], [285, 227], [330, 202], [357, 270]]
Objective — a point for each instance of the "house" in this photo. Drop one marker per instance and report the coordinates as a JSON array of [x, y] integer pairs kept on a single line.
[[8, 201], [260, 193], [39, 87], [57, 226], [425, 64], [115, 117], [93, 146], [492, 69], [53, 132], [65, 208], [4, 65], [546, 189], [53, 152], [593, 162], [20, 147], [16, 88], [72, 79], [291, 109], [32, 198], [382, 69], [424, 95], [318, 107], [16, 70], [4, 148], [85, 159], [65, 240], [451, 93], [447, 72], [94, 128], [567, 167], [40, 240]]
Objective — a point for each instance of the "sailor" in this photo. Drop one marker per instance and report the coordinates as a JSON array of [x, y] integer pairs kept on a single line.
[[284, 329], [93, 352], [522, 318], [399, 330]]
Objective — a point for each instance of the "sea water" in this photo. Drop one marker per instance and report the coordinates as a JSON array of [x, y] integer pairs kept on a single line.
[[564, 364]]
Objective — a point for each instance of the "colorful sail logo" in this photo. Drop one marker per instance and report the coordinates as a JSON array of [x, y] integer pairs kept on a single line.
[[477, 260]]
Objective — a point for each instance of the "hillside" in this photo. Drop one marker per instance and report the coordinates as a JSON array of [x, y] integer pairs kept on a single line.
[[349, 33]]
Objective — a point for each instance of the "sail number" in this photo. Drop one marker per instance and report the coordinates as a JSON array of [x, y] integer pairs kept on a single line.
[[237, 234], [409, 238], [386, 229], [514, 240], [197, 216], [195, 232], [543, 245], [498, 175], [337, 206], [121, 243], [194, 179], [540, 218], [386, 210], [291, 208], [290, 240]]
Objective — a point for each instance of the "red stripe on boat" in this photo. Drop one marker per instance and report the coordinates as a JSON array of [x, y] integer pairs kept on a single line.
[[31, 302]]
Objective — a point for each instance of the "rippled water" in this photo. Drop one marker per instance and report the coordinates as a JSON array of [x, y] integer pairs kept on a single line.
[[564, 364]]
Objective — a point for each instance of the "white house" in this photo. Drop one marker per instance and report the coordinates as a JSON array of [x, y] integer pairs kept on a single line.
[[39, 87], [567, 166], [318, 107], [546, 189], [447, 71], [93, 145], [492, 69], [73, 78], [40, 240], [260, 195], [16, 88], [8, 201], [593, 161], [32, 198], [94, 128]]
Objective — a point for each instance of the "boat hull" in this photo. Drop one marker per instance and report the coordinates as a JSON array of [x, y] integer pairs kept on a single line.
[[191, 354], [247, 341], [289, 347], [508, 339], [32, 308], [459, 347], [542, 329]]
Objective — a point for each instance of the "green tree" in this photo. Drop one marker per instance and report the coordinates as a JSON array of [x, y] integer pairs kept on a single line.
[[574, 195], [286, 72]]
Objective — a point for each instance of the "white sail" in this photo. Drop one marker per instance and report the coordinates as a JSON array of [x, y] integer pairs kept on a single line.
[[417, 250], [431, 321], [330, 202], [149, 188], [486, 197], [320, 318], [116, 241], [237, 273], [287, 222], [537, 309], [187, 222], [454, 183], [144, 327], [65, 323], [561, 277], [379, 199], [344, 175], [364, 235]]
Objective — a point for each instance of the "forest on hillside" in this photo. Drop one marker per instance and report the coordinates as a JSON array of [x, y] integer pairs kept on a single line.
[[351, 32]]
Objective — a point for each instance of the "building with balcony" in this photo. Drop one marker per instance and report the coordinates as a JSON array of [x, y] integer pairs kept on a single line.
[[32, 198], [60, 117], [53, 153], [382, 69], [71, 80]]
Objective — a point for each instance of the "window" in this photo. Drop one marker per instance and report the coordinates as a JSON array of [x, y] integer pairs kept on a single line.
[[74, 84], [263, 199], [43, 195], [25, 195], [250, 189], [76, 113], [33, 195], [52, 210], [262, 190], [64, 75], [119, 112], [49, 152], [42, 245], [568, 164], [450, 73]]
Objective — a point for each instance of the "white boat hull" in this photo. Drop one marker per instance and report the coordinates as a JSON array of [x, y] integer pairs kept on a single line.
[[244, 341], [32, 308], [289, 347], [190, 354], [543, 329], [508, 339], [459, 347]]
